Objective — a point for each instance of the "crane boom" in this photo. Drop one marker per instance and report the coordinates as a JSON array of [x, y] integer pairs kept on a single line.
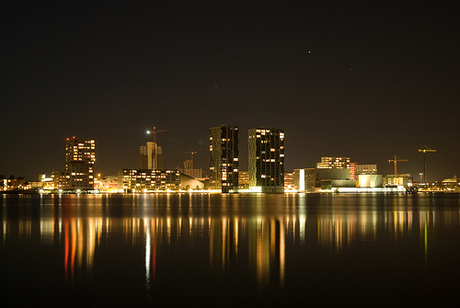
[[191, 159], [154, 133], [395, 161]]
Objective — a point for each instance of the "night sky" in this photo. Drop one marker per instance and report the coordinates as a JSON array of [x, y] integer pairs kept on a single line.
[[364, 79]]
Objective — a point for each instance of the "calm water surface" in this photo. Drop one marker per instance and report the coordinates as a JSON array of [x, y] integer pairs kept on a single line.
[[222, 250]]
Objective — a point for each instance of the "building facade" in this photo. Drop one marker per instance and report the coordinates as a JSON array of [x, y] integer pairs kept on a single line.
[[243, 179], [304, 179], [266, 160], [12, 183], [353, 166], [148, 180], [187, 182], [335, 177], [80, 156], [370, 180], [399, 180], [288, 181], [366, 169], [223, 158], [151, 156], [328, 162], [190, 171]]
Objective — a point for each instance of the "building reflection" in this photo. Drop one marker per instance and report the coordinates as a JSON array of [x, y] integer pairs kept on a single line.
[[80, 239], [262, 242]]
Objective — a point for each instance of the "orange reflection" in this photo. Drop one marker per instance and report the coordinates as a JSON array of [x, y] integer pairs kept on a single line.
[[229, 239], [81, 238]]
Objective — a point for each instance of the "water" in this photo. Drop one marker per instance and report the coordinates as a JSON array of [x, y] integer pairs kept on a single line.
[[222, 250]]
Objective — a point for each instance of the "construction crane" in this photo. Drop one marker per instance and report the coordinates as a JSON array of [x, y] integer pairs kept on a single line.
[[395, 161], [191, 160], [425, 149], [154, 133]]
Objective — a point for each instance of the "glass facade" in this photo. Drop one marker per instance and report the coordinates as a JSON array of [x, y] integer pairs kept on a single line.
[[223, 158], [266, 159]]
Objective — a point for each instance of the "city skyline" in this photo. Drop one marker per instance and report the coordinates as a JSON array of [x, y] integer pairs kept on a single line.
[[361, 81], [245, 158], [224, 130]]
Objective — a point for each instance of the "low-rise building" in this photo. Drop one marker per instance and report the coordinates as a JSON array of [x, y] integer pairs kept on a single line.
[[288, 180], [333, 162], [335, 177], [370, 180], [12, 183], [243, 179], [366, 169], [399, 180], [146, 180], [106, 184], [189, 182], [304, 179]]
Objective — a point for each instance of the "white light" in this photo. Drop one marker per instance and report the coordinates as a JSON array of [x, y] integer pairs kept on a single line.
[[302, 180]]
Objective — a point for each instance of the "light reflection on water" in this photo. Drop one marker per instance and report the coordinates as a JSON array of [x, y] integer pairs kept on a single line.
[[261, 238]]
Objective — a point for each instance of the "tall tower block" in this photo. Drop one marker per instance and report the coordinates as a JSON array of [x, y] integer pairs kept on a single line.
[[266, 160], [223, 158], [80, 156]]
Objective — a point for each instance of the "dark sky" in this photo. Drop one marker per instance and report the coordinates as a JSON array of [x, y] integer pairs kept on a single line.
[[365, 79]]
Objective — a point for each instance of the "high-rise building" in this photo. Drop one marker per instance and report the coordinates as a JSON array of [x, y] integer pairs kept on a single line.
[[151, 156], [223, 158], [80, 156], [266, 160]]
